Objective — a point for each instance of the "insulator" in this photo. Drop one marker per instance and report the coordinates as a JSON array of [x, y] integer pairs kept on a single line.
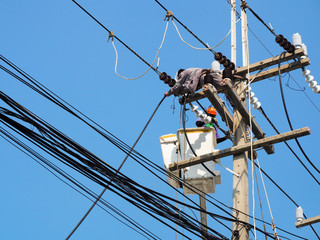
[[299, 214], [227, 73], [316, 89], [256, 105], [251, 95], [167, 80], [227, 63], [291, 49], [218, 56], [283, 42], [279, 38], [172, 83], [232, 66], [287, 46], [296, 39], [163, 76], [312, 84], [253, 100], [223, 59], [309, 78], [305, 72]]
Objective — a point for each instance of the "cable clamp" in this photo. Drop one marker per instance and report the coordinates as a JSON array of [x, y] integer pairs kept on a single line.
[[111, 35], [244, 5], [168, 16]]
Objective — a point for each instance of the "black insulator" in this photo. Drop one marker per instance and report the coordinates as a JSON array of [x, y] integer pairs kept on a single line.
[[279, 38], [223, 59], [283, 42], [163, 76], [208, 78], [291, 49], [232, 66], [227, 73], [227, 64], [172, 83], [167, 80], [287, 46], [218, 56]]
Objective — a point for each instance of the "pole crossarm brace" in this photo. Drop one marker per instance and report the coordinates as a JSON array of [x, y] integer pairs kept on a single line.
[[241, 107], [195, 97], [219, 105], [283, 69], [269, 62], [240, 148], [308, 221]]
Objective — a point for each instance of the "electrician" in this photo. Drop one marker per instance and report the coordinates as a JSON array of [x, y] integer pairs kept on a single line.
[[211, 111], [192, 79]]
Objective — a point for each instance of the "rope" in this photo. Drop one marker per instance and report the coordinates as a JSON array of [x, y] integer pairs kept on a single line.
[[265, 191], [116, 64], [210, 48], [260, 202], [123, 162]]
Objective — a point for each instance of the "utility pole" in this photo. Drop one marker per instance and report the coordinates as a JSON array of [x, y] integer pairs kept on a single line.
[[233, 32], [240, 161]]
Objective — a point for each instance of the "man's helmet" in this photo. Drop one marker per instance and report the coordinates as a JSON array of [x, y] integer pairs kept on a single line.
[[212, 111]]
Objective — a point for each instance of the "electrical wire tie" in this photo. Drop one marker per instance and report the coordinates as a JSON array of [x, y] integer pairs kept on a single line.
[[111, 35], [169, 15], [244, 5]]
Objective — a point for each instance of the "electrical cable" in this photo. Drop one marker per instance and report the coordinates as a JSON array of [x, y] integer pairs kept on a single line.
[[185, 27], [289, 121], [116, 64], [102, 168], [72, 180], [50, 95], [258, 17], [44, 89], [186, 136], [119, 168], [97, 21], [196, 48]]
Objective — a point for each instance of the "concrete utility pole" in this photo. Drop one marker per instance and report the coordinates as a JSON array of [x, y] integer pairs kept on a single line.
[[233, 32], [240, 161]]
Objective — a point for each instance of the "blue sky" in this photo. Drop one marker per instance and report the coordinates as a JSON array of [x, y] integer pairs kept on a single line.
[[61, 47]]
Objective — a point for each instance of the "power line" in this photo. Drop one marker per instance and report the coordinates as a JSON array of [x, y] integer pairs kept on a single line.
[[114, 36], [119, 168], [36, 155], [117, 142], [147, 200]]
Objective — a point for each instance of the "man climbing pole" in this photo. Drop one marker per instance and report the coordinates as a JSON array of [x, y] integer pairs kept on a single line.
[[192, 79]]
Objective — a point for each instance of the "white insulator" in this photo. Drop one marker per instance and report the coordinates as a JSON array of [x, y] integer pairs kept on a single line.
[[305, 72], [305, 50], [316, 89], [312, 84], [309, 78], [256, 105], [207, 119], [193, 107], [253, 100], [296, 40], [251, 94], [299, 214], [215, 66]]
